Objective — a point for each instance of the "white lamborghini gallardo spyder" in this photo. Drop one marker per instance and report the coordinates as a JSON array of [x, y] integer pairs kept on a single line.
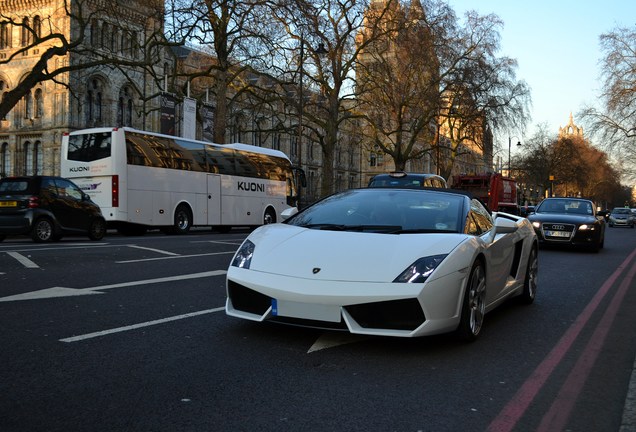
[[390, 262]]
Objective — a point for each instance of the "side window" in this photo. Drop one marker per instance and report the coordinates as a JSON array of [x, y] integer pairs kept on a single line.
[[479, 220], [68, 189], [481, 215], [471, 225], [48, 187]]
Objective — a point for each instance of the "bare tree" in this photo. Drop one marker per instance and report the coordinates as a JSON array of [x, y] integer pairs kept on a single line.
[[615, 122], [52, 36], [321, 36], [571, 166], [479, 90], [237, 35], [397, 84]]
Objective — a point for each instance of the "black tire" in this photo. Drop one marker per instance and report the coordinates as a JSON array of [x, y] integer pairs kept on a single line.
[[2, 237], [269, 217], [530, 283], [97, 229], [474, 304], [182, 220], [43, 230]]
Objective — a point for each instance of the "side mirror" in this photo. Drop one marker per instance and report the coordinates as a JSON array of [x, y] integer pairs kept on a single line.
[[289, 212], [505, 226]]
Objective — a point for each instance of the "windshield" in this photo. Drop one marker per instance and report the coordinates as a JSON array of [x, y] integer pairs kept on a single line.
[[621, 211], [566, 206], [386, 211]]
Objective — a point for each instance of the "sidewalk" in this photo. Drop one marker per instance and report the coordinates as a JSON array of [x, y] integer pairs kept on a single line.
[[629, 412]]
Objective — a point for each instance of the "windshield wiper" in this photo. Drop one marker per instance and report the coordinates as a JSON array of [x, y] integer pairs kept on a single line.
[[361, 228], [422, 231]]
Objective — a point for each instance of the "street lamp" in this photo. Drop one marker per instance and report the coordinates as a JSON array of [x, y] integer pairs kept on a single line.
[[509, 148]]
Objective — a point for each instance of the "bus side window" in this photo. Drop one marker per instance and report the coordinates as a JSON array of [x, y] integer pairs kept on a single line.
[[189, 156], [135, 152]]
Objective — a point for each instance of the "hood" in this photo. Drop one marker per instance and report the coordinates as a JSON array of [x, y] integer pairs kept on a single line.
[[343, 256], [562, 218]]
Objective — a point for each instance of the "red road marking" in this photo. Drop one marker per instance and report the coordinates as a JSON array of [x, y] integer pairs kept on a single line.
[[562, 406], [518, 405]]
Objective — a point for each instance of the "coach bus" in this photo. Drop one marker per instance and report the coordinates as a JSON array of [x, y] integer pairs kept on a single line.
[[143, 180]]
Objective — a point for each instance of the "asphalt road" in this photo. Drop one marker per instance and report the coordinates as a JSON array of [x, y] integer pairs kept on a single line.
[[129, 334]]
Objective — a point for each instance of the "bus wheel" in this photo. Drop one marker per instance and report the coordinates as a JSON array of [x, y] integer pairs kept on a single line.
[[182, 220], [270, 217]]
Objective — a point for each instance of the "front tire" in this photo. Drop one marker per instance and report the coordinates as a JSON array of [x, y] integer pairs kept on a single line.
[[474, 304], [43, 230], [97, 229], [530, 283]]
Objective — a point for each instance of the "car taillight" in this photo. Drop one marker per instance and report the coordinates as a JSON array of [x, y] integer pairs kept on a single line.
[[34, 202], [115, 191]]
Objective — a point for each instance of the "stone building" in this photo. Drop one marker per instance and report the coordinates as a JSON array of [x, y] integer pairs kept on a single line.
[[570, 130], [83, 96]]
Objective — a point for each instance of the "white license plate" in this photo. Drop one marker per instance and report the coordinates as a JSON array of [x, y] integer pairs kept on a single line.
[[564, 234], [310, 311]]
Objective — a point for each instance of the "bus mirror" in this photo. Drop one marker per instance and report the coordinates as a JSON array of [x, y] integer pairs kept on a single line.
[[288, 212]]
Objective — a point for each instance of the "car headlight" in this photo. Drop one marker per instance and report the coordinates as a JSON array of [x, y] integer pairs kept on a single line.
[[536, 224], [420, 270], [244, 254], [586, 227]]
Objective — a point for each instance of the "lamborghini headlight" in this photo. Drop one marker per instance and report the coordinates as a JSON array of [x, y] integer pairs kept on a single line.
[[244, 254], [420, 270]]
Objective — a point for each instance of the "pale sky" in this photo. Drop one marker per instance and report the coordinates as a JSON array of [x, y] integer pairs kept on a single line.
[[556, 43]]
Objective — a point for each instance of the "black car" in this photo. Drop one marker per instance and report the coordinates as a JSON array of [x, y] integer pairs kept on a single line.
[[401, 179], [46, 208], [568, 221]]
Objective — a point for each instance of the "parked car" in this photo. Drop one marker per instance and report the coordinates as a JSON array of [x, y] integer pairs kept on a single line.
[[568, 221], [46, 208], [401, 179], [401, 262], [621, 216]]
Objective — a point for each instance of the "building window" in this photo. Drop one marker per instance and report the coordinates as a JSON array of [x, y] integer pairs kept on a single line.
[[37, 27], [37, 158], [4, 160], [237, 129], [94, 102], [276, 141], [26, 32], [28, 105], [373, 162], [125, 108], [28, 158], [105, 36], [5, 35], [39, 103], [293, 147], [3, 89], [94, 32]]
